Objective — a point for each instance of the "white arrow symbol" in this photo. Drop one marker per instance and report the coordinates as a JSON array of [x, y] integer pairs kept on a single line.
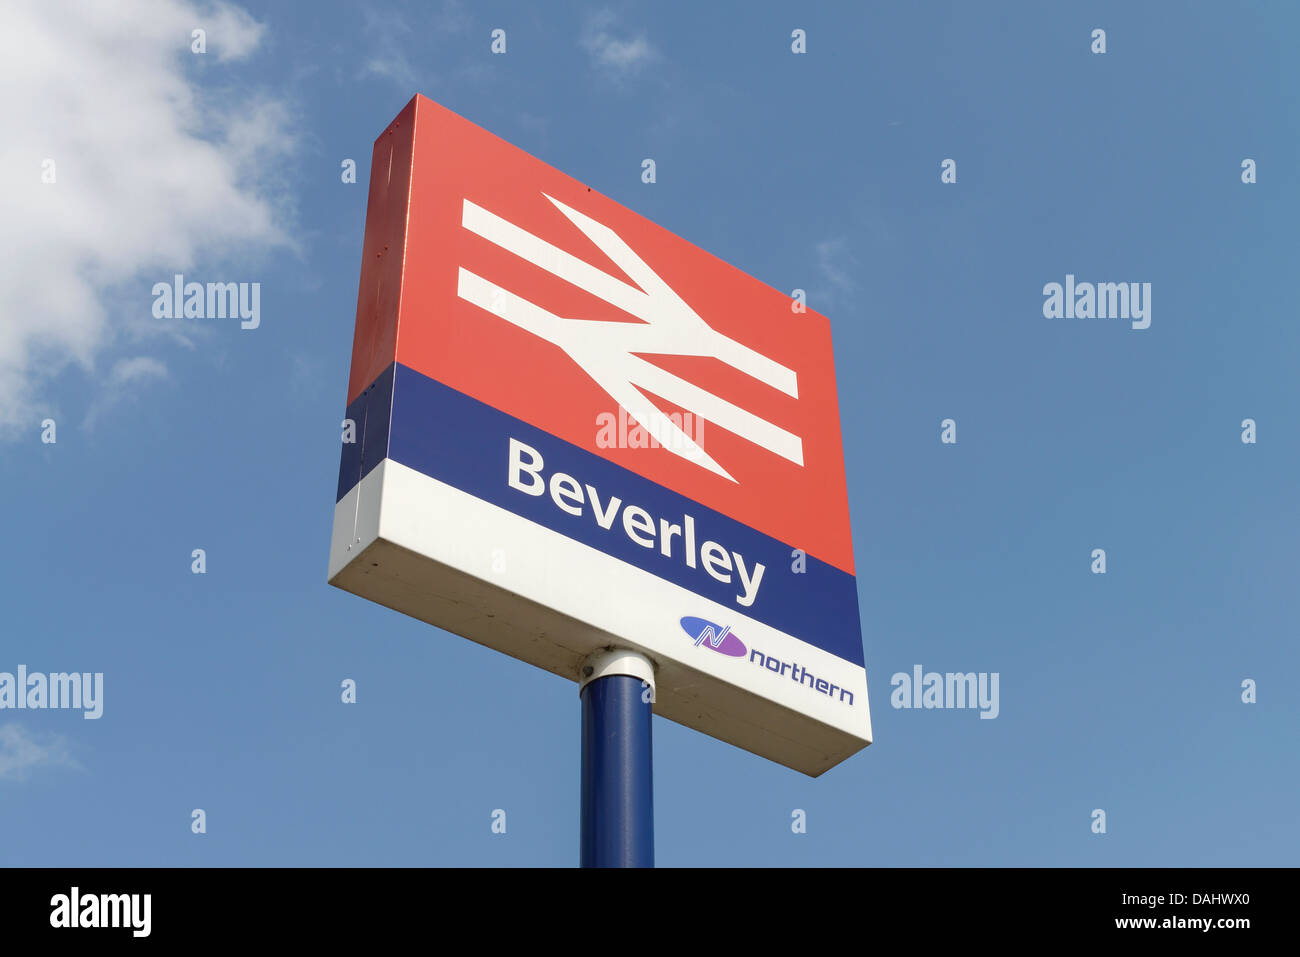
[[606, 351]]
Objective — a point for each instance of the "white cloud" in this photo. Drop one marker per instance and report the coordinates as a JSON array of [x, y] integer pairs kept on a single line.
[[21, 752], [231, 32], [151, 171], [451, 18], [837, 264], [138, 369], [616, 56], [389, 32], [123, 380]]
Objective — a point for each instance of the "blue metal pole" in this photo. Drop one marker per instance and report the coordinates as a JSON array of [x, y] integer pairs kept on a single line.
[[617, 790]]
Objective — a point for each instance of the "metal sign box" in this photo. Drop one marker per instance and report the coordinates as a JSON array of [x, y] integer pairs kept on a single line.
[[576, 430]]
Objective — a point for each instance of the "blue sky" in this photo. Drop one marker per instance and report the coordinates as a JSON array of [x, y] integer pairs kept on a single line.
[[818, 171]]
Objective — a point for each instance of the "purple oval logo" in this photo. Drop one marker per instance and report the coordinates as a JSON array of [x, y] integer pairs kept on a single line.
[[717, 637]]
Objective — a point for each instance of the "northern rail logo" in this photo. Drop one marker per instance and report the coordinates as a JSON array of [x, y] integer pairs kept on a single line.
[[720, 638], [717, 637]]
